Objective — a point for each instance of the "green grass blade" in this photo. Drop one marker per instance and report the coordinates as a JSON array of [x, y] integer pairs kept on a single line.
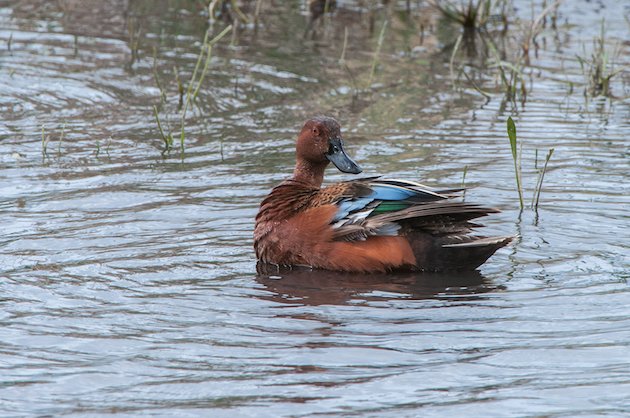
[[511, 130], [542, 177]]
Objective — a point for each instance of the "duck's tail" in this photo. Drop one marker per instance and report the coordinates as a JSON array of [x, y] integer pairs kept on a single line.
[[443, 254]]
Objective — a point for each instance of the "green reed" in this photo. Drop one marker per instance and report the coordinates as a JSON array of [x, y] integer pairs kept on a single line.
[[377, 53], [516, 156], [167, 138], [541, 177], [63, 131], [206, 49], [511, 130], [180, 89], [157, 78]]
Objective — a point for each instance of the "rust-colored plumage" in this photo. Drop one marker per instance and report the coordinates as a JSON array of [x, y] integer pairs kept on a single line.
[[365, 225]]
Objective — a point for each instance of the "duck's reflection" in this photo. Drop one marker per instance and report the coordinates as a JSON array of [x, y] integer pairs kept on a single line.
[[321, 287]]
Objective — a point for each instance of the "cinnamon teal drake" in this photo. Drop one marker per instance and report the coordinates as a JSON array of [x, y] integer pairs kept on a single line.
[[365, 225]]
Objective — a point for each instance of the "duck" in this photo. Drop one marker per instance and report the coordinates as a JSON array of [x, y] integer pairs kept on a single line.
[[365, 225]]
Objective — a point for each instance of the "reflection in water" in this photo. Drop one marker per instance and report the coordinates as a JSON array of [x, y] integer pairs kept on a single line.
[[323, 287]]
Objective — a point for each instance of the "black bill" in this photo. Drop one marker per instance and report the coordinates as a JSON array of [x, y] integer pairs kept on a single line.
[[340, 159]]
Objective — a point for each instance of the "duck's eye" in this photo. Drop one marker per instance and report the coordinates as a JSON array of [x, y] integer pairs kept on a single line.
[[315, 131]]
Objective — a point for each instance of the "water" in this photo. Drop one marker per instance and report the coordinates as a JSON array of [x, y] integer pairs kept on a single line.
[[128, 281]]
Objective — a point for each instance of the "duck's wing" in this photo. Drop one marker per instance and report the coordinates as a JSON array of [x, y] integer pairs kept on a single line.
[[378, 206]]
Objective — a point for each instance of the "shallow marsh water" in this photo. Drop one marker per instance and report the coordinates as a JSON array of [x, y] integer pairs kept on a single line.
[[128, 283]]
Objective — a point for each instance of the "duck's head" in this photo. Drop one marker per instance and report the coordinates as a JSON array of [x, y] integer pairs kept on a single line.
[[320, 142]]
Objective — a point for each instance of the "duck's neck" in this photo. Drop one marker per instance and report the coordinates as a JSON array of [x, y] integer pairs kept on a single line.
[[309, 172]]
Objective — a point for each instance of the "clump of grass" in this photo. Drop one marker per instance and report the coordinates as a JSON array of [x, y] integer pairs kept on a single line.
[[516, 156], [46, 138], [511, 76], [319, 8], [188, 96], [535, 27], [598, 69], [471, 17], [508, 56]]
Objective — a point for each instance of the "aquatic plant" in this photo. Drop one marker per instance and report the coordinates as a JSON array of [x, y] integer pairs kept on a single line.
[[180, 89], [343, 64], [511, 130], [598, 69], [229, 11], [377, 52], [157, 78], [135, 34], [45, 139], [319, 8], [471, 17], [510, 75], [167, 138], [63, 131], [535, 27], [507, 56], [188, 95], [516, 157], [541, 177], [191, 94]]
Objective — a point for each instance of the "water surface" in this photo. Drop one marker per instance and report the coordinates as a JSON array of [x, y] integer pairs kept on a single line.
[[128, 281]]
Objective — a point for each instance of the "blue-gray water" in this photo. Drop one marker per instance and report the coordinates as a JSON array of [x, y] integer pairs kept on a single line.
[[128, 282]]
